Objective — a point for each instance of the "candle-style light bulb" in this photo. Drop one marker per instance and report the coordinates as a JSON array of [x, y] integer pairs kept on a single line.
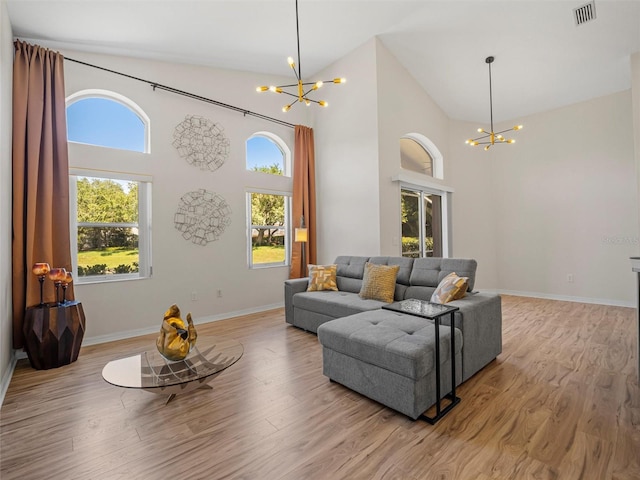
[[41, 269], [68, 278], [57, 275]]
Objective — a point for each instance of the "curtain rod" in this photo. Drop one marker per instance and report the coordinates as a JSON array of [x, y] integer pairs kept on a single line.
[[193, 96]]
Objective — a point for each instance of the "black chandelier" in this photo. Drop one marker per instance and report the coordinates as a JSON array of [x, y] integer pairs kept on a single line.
[[491, 138], [300, 90]]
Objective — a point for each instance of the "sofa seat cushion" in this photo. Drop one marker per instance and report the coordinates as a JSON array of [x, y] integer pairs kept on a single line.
[[403, 344], [334, 304]]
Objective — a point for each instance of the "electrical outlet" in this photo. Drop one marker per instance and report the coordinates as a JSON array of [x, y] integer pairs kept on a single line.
[[219, 293], [194, 296], [570, 277]]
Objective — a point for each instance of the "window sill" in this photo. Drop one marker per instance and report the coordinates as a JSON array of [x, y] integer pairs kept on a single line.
[[268, 265], [96, 279], [416, 180]]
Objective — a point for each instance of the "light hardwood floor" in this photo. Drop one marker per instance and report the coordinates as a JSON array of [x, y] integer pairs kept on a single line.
[[561, 402]]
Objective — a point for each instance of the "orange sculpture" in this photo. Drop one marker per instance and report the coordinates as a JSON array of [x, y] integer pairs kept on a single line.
[[176, 338]]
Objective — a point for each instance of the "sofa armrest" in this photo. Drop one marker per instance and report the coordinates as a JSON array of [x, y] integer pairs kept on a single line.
[[291, 287], [480, 320]]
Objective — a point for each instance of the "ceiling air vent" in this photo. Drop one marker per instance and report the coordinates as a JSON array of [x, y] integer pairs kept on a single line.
[[585, 13]]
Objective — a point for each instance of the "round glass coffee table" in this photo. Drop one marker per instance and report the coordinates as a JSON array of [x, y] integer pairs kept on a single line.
[[152, 372]]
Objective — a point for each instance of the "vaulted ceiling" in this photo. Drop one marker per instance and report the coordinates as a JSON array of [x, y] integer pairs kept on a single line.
[[543, 59]]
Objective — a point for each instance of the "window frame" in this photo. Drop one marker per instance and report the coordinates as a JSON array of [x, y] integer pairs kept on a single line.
[[145, 268], [286, 228]]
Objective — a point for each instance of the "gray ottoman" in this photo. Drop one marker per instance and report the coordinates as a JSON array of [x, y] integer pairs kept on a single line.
[[389, 357]]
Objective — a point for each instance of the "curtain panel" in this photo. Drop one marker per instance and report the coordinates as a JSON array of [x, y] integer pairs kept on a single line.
[[304, 199], [40, 176]]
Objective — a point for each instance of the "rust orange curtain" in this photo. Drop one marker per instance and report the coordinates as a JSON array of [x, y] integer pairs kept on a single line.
[[40, 176], [304, 199]]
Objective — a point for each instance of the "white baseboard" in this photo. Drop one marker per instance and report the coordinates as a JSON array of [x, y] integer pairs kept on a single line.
[[6, 378], [566, 298], [95, 340]]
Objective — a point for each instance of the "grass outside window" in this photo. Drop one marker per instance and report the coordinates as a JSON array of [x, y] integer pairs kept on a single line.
[[268, 254]]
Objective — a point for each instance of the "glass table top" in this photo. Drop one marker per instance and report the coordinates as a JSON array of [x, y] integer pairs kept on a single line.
[[149, 370], [420, 308]]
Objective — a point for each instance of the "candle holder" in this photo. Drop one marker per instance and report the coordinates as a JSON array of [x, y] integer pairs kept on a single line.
[[67, 280], [41, 270], [57, 275]]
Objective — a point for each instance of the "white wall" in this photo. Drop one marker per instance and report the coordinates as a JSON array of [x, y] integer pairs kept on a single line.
[[566, 203], [346, 139], [474, 211], [346, 174], [562, 200], [635, 99], [403, 108], [119, 309], [6, 78]]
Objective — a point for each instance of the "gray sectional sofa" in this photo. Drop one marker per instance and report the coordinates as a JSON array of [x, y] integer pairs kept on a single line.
[[479, 318], [389, 356]]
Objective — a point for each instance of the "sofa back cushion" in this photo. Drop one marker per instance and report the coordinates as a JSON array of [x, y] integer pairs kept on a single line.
[[429, 272], [350, 272], [413, 272], [405, 264]]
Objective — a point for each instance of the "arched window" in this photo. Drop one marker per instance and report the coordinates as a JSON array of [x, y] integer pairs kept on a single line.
[[107, 119], [423, 208], [267, 153], [110, 209], [268, 201], [419, 154]]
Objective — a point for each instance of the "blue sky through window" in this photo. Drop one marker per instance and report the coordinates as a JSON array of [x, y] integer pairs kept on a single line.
[[104, 122], [262, 151]]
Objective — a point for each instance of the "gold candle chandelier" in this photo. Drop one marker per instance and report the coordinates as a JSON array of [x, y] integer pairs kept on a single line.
[[491, 138], [300, 90]]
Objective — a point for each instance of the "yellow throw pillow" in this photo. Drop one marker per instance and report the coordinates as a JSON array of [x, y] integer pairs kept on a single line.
[[452, 287], [379, 282], [322, 277]]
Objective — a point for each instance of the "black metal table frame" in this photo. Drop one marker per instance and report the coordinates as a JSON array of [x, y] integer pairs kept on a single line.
[[451, 396]]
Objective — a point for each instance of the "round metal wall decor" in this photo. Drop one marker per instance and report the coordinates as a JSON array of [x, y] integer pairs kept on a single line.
[[202, 216], [201, 142]]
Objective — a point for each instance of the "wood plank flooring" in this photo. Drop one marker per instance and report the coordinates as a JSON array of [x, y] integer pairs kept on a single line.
[[561, 402]]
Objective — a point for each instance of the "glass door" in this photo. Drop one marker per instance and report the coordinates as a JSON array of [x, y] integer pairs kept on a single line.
[[421, 224]]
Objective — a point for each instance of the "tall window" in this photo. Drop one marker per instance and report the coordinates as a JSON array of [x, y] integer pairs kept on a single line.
[[421, 224], [424, 203], [268, 229], [268, 202], [110, 212]]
